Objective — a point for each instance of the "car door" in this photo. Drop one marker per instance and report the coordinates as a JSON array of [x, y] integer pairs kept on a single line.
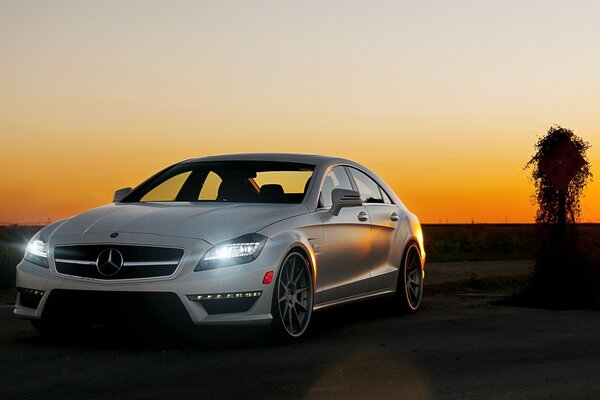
[[388, 224], [342, 267]]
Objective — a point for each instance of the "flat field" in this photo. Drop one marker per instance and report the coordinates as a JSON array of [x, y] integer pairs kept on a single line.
[[493, 242]]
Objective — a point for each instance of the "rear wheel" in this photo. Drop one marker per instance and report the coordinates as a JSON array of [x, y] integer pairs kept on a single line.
[[292, 298], [410, 281]]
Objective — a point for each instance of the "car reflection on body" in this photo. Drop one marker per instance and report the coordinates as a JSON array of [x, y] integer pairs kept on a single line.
[[236, 239]]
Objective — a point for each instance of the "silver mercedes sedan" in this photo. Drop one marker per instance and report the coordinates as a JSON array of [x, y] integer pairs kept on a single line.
[[235, 239]]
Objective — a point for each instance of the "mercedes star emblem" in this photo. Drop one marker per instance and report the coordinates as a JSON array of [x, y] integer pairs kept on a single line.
[[109, 262]]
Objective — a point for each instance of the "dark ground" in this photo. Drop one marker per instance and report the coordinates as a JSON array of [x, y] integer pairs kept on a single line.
[[459, 346]]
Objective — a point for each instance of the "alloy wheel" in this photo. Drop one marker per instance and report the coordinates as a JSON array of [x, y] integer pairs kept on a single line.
[[294, 295], [413, 278]]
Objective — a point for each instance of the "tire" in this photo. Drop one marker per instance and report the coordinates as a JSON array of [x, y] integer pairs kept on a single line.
[[292, 298], [409, 291]]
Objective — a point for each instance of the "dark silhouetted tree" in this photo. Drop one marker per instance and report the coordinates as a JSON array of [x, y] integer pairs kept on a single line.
[[560, 269], [554, 204]]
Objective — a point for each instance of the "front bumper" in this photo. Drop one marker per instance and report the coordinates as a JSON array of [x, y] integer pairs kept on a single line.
[[228, 295]]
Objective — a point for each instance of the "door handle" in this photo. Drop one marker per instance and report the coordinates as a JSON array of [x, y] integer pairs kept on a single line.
[[394, 216], [362, 216]]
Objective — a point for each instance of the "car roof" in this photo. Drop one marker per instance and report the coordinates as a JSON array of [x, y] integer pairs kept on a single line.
[[280, 157]]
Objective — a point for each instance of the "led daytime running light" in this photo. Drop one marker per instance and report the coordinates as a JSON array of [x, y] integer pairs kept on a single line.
[[224, 296]]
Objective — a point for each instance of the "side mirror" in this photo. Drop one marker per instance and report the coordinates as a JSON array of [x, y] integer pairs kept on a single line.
[[121, 193], [344, 198]]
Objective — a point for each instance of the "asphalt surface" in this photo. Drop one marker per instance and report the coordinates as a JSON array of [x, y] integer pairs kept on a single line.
[[458, 346]]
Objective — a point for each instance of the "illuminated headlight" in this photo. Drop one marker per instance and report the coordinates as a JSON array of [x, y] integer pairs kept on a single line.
[[37, 251], [232, 252]]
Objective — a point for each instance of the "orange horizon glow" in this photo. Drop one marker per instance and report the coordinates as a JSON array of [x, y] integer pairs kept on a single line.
[[444, 101]]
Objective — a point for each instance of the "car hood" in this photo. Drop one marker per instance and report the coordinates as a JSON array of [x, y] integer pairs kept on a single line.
[[212, 222]]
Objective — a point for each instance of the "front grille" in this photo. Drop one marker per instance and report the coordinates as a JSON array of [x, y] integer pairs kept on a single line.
[[129, 262]]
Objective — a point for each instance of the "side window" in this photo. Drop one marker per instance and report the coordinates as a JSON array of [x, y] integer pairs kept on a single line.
[[336, 178], [386, 198], [168, 190], [368, 188]]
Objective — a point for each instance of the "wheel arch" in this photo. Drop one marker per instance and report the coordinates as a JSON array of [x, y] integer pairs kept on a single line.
[[415, 234], [411, 240], [308, 254]]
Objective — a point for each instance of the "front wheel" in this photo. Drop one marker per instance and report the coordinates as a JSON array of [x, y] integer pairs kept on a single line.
[[410, 281], [292, 298]]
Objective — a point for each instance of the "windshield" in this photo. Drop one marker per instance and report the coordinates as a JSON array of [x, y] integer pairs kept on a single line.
[[227, 181]]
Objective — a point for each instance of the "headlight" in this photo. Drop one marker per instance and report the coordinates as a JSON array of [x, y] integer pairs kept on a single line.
[[240, 250], [37, 250]]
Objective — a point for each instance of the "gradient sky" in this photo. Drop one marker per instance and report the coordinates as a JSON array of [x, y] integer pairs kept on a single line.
[[445, 99]]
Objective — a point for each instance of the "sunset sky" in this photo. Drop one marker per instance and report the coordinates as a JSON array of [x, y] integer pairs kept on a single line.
[[444, 99]]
